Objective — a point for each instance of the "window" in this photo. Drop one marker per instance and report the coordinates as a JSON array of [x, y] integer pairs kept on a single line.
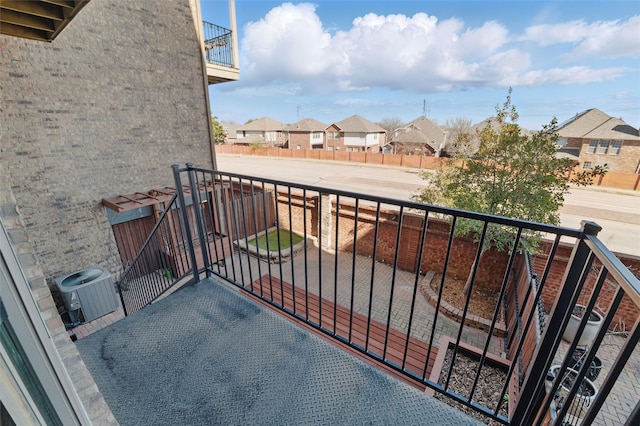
[[561, 142], [587, 165], [615, 148], [592, 147], [603, 147], [330, 148], [298, 147], [333, 136], [375, 136], [316, 135]]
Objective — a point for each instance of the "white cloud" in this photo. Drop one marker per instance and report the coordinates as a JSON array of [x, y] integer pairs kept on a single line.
[[289, 42], [419, 53], [569, 75], [357, 102], [602, 38]]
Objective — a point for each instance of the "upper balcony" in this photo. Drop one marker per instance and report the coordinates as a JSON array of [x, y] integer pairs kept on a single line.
[[219, 48]]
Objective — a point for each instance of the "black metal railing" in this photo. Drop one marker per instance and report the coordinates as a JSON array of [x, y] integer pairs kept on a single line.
[[218, 45], [376, 274], [162, 262]]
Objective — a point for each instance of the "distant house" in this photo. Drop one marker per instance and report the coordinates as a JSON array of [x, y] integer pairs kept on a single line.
[[596, 138], [419, 137], [231, 129], [355, 134], [470, 144], [264, 131], [307, 133]]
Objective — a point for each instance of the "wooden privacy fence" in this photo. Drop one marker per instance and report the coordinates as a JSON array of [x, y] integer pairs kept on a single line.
[[255, 212]]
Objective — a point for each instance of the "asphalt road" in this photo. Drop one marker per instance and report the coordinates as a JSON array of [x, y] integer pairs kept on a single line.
[[616, 211]]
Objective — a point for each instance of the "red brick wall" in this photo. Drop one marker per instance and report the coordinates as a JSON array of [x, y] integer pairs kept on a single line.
[[300, 138], [492, 265], [298, 212], [490, 270], [338, 145], [627, 313]]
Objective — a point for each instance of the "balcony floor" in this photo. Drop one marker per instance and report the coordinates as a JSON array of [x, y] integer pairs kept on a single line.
[[208, 355]]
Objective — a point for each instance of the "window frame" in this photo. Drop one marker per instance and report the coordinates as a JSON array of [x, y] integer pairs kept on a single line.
[[615, 147], [603, 147]]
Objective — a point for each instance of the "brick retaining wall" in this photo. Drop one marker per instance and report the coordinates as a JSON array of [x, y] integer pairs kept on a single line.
[[492, 266]]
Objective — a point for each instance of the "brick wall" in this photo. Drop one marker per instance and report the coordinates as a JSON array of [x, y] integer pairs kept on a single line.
[[628, 312], [627, 161], [335, 144], [300, 208], [103, 110], [301, 138], [492, 265], [12, 222]]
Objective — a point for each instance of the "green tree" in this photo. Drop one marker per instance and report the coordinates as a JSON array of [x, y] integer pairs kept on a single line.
[[219, 134], [513, 174]]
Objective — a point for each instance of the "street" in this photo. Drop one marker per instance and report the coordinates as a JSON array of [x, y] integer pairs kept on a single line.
[[616, 211]]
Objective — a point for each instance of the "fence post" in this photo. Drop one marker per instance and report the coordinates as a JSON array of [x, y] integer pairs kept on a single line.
[[185, 218], [531, 393], [197, 203]]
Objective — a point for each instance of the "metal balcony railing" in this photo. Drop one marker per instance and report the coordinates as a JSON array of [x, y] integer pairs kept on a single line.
[[361, 270], [218, 45]]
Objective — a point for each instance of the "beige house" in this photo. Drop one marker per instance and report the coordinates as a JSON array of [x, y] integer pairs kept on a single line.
[[231, 130], [307, 133], [596, 138], [419, 137], [263, 131], [355, 134]]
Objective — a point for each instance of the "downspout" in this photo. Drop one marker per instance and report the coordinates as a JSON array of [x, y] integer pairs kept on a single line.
[[234, 34], [205, 80]]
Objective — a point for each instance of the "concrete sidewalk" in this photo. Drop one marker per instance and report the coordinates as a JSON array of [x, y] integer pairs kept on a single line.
[[208, 355]]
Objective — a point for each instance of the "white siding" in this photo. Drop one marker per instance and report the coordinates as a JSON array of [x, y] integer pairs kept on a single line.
[[362, 139], [355, 139]]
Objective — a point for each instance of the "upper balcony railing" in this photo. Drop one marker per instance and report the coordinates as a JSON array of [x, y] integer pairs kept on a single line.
[[376, 275], [218, 45]]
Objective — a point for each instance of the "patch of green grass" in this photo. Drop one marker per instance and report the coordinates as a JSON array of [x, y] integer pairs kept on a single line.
[[285, 240]]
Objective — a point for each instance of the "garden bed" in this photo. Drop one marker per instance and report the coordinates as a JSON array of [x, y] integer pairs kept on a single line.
[[481, 306], [490, 383], [256, 246]]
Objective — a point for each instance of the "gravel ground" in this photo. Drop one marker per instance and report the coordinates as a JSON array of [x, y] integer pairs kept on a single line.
[[487, 391]]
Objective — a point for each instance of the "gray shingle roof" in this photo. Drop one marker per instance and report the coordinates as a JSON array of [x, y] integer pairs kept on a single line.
[[433, 134], [306, 125], [358, 124], [595, 124], [264, 124]]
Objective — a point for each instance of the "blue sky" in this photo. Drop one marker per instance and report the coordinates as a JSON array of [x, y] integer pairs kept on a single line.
[[386, 59]]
